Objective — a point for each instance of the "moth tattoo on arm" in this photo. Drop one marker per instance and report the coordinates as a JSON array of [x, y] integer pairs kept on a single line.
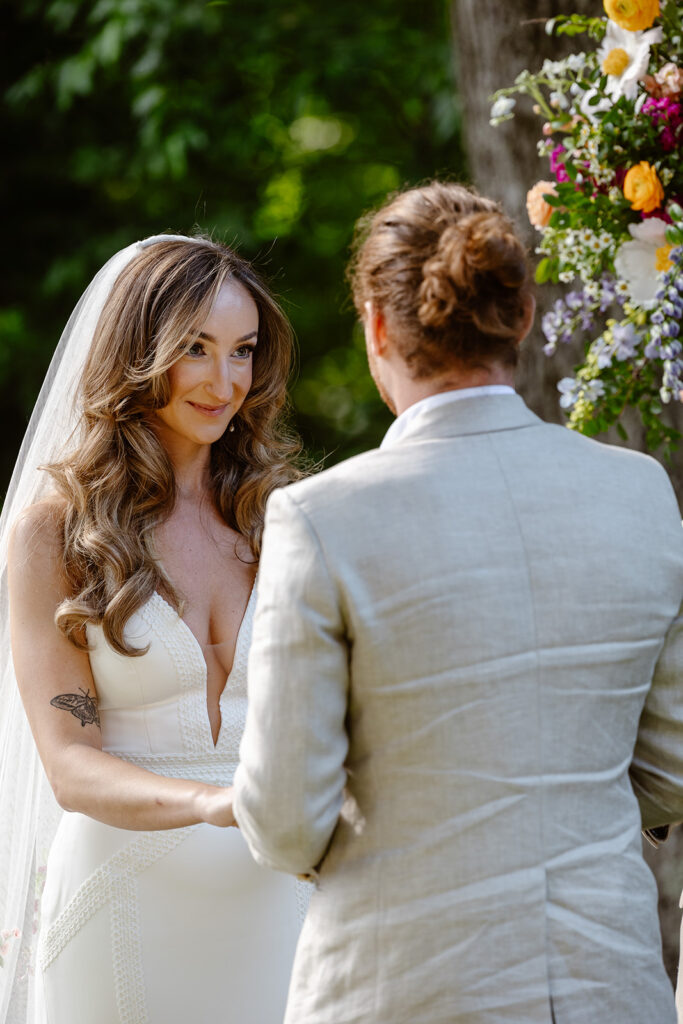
[[81, 705]]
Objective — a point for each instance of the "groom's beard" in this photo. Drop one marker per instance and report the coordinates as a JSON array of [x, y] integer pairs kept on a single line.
[[383, 393]]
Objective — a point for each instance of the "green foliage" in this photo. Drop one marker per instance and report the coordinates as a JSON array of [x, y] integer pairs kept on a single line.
[[270, 124], [576, 25]]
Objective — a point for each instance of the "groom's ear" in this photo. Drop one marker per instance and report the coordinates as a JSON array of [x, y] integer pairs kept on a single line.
[[528, 321], [375, 327]]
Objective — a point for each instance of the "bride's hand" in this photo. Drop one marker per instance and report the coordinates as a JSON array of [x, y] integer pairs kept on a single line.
[[215, 806]]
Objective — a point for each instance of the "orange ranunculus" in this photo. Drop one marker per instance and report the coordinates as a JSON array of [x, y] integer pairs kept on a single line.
[[632, 15], [642, 187], [538, 209]]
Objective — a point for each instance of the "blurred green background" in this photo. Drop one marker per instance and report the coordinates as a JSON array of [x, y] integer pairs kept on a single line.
[[272, 125]]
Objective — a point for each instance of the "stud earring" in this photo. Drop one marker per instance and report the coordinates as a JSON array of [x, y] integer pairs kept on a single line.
[[231, 428]]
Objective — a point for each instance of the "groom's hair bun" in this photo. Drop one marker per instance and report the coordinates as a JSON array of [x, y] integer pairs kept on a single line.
[[479, 253], [449, 273]]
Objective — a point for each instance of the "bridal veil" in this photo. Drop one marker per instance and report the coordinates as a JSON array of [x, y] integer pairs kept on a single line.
[[29, 813]]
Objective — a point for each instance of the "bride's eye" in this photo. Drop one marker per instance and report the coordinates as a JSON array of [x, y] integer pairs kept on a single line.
[[244, 351], [195, 349]]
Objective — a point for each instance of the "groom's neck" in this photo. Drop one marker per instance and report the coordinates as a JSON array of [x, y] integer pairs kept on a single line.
[[406, 391]]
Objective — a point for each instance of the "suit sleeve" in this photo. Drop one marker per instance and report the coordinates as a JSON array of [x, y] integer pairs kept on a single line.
[[290, 780], [657, 768]]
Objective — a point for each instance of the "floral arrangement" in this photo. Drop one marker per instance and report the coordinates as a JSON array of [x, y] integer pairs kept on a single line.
[[610, 215]]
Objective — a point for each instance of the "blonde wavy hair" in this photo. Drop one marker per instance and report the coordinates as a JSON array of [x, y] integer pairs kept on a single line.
[[118, 484]]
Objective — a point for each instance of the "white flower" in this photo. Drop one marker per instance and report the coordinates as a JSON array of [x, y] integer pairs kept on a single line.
[[552, 68], [638, 105], [636, 261], [568, 389], [558, 100], [575, 61], [624, 56], [502, 108], [572, 390], [593, 111], [592, 390]]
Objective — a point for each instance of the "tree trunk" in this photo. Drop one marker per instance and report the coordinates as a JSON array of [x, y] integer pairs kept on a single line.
[[493, 42]]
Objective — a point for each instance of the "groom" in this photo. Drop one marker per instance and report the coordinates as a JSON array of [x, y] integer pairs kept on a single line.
[[454, 639]]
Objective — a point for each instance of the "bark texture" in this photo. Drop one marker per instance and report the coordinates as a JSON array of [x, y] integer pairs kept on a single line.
[[493, 42]]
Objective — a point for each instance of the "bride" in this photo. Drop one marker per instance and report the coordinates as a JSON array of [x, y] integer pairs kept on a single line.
[[131, 558]]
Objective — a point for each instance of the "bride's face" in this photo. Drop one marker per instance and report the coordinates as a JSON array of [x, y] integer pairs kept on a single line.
[[209, 383]]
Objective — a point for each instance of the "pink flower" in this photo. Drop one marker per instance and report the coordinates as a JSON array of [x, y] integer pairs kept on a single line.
[[667, 115], [660, 213], [557, 167], [669, 80]]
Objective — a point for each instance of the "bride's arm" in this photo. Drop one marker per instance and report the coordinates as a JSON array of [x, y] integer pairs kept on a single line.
[[60, 698]]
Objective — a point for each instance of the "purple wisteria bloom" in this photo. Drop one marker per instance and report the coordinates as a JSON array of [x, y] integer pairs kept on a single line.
[[625, 340], [574, 300], [608, 293]]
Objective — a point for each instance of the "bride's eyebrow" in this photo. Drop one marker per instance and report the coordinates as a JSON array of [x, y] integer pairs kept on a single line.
[[204, 336]]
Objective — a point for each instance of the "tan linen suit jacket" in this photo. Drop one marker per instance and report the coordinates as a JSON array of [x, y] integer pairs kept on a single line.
[[454, 640]]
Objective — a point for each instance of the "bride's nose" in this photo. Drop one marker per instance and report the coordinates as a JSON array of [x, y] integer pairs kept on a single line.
[[221, 383]]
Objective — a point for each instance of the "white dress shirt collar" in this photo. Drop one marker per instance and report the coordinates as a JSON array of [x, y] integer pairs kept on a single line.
[[425, 405]]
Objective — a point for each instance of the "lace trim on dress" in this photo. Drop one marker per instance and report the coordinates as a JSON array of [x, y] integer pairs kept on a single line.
[[104, 884], [211, 769], [126, 947], [176, 636]]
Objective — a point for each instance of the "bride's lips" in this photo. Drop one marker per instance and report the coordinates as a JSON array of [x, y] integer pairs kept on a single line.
[[209, 410]]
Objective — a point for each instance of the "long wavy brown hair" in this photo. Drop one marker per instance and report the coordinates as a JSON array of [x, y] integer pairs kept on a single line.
[[118, 484]]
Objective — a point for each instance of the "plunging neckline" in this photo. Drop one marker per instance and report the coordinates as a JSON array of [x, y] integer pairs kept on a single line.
[[199, 651]]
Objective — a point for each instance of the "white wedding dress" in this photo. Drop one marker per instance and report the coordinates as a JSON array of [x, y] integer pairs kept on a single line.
[[173, 926]]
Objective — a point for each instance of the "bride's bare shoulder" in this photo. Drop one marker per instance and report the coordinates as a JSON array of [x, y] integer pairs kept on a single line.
[[37, 535]]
